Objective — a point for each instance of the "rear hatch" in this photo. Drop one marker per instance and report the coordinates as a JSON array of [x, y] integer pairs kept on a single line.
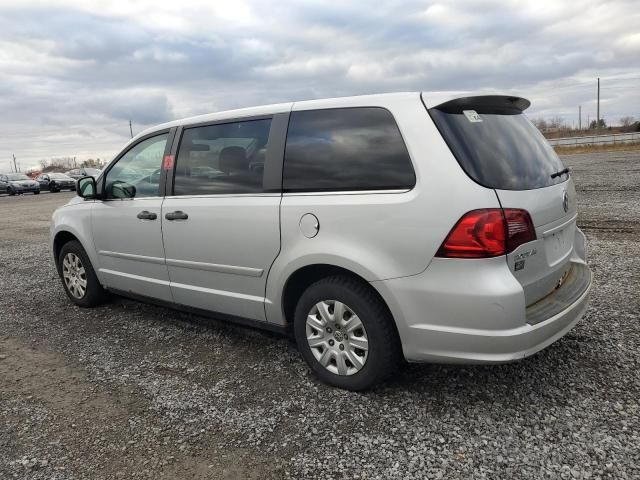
[[499, 148]]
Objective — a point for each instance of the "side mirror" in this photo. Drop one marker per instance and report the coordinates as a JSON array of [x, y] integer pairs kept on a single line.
[[120, 189], [86, 187]]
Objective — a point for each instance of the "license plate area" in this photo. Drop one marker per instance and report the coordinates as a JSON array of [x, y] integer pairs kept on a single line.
[[557, 244]]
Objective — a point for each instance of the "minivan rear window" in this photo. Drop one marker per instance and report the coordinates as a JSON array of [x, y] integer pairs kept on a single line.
[[502, 150], [345, 149]]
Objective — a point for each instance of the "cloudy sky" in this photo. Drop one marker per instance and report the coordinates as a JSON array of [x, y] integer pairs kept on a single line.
[[73, 73]]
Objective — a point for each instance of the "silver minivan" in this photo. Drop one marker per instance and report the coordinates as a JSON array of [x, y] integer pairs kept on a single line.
[[427, 227]]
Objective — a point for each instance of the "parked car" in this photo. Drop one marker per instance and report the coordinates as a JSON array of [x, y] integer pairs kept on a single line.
[[13, 183], [55, 182], [429, 227], [77, 173]]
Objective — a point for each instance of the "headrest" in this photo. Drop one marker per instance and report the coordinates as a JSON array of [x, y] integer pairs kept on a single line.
[[233, 158]]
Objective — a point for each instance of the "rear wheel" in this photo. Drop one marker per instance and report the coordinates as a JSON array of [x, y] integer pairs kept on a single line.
[[36, 192], [78, 277], [346, 333]]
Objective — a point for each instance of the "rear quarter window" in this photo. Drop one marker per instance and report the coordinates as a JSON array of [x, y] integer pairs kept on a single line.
[[345, 149]]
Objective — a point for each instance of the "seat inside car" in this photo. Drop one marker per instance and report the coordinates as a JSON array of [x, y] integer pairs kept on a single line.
[[235, 164]]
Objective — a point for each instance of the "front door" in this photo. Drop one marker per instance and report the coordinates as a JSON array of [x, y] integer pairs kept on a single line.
[[221, 229], [127, 223]]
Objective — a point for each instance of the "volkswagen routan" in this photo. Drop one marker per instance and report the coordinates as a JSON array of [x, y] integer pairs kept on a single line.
[[419, 227]]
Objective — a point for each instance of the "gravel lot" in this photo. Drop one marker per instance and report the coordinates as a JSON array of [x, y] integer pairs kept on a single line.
[[134, 391]]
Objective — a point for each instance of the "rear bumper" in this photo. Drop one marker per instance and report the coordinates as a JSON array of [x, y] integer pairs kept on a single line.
[[493, 346], [474, 312]]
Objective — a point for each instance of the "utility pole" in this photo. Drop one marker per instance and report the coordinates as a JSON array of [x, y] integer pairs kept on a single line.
[[130, 129], [15, 165], [579, 117], [598, 114]]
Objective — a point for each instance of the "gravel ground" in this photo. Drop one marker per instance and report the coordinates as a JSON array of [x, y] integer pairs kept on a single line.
[[135, 391]]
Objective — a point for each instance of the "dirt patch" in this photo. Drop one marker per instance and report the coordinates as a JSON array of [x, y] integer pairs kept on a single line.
[[54, 419]]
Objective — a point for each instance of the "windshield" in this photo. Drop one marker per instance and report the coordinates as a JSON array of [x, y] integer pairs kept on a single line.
[[17, 176], [502, 151], [92, 171]]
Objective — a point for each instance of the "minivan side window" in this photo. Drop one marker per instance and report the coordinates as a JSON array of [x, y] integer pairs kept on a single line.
[[222, 159], [345, 149], [137, 172]]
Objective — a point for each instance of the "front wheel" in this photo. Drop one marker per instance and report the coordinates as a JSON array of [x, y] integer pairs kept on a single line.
[[11, 191], [346, 334], [36, 192], [78, 277]]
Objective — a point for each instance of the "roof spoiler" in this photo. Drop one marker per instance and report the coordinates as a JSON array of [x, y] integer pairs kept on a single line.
[[490, 104]]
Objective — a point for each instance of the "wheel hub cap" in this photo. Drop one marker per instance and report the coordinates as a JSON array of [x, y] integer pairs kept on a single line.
[[337, 337], [74, 275]]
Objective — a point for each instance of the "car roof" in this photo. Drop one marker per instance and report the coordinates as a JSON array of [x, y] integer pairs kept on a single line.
[[430, 98]]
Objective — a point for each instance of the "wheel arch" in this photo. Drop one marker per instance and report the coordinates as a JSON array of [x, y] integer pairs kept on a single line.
[[61, 238], [299, 280]]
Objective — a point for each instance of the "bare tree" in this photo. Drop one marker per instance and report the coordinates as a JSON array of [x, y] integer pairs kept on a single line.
[[627, 121], [540, 123], [556, 122], [91, 163]]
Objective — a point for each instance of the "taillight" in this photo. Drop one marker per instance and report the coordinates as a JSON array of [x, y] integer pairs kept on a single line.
[[489, 232], [519, 228]]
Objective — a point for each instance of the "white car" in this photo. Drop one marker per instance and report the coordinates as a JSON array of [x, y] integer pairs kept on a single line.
[[417, 226]]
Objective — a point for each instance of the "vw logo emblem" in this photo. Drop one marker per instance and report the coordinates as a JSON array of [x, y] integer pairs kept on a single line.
[[565, 201]]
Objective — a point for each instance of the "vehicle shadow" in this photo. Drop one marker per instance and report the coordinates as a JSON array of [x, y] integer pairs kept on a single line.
[[530, 379]]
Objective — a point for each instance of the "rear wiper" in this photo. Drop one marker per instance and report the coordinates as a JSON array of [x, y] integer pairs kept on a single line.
[[560, 173]]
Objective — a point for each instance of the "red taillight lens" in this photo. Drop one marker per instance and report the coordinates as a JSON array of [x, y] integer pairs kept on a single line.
[[489, 232], [519, 228]]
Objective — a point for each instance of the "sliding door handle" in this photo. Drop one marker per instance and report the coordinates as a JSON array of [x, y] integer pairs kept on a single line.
[[146, 215], [177, 215]]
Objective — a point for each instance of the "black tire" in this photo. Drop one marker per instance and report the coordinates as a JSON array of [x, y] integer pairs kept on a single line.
[[384, 352], [52, 188], [36, 192], [10, 191], [94, 293]]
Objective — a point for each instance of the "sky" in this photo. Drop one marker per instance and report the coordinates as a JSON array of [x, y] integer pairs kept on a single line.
[[73, 72]]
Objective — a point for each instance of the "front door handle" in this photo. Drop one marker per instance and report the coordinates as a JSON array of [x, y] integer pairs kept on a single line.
[[177, 215], [146, 215]]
